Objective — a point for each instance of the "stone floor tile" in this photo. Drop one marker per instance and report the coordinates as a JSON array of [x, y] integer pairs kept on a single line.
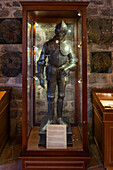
[[96, 168], [92, 162], [6, 154], [12, 165]]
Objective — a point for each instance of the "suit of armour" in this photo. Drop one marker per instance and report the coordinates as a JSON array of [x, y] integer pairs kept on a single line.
[[57, 53]]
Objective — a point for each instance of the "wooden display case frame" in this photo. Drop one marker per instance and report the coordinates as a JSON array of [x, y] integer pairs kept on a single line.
[[5, 98], [62, 158], [103, 126]]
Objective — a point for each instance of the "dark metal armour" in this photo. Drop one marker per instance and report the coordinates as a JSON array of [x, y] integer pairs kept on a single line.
[[56, 55]]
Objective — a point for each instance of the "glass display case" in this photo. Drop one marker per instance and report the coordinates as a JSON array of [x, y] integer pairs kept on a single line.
[[102, 101], [54, 82]]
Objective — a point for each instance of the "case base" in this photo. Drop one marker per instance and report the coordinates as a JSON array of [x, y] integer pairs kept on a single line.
[[42, 134], [54, 163]]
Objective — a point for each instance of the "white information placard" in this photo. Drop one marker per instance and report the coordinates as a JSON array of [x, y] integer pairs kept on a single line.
[[56, 137]]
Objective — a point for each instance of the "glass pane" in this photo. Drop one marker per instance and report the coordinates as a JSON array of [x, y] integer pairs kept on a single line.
[[57, 59], [79, 73], [29, 76]]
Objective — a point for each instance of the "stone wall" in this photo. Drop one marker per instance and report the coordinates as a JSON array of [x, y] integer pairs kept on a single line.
[[100, 49], [11, 59]]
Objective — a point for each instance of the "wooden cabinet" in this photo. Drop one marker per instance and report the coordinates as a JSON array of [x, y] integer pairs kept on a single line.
[[102, 100], [4, 116], [39, 22]]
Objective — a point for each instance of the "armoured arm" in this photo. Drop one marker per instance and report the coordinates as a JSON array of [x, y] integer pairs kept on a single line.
[[40, 66], [71, 64]]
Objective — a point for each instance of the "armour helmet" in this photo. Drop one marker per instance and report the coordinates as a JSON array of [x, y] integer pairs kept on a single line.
[[61, 28]]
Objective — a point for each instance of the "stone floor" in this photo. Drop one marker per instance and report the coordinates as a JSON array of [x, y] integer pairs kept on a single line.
[[95, 162], [9, 158]]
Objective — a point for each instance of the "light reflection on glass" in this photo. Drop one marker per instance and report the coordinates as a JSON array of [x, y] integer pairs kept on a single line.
[[79, 14], [36, 24], [79, 45], [57, 41], [69, 31]]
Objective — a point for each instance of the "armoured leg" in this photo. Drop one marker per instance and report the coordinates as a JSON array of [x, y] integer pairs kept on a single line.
[[60, 105], [50, 111], [61, 95], [59, 111], [50, 98], [51, 86]]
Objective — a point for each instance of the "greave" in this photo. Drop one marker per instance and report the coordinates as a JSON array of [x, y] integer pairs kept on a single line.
[[50, 109], [59, 107]]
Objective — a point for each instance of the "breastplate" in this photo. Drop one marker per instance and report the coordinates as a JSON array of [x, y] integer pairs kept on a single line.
[[65, 47], [57, 56]]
